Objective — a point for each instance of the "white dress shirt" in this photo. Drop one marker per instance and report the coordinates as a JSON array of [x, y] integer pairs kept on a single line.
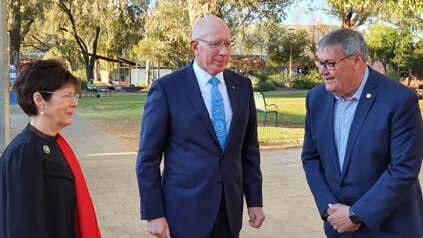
[[203, 82]]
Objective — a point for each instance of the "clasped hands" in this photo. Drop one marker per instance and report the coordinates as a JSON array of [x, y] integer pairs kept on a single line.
[[339, 218]]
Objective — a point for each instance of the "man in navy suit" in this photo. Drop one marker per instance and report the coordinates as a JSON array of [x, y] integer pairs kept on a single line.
[[363, 145], [201, 190]]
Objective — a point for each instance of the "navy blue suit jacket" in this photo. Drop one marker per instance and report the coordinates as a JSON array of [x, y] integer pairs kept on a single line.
[[379, 178], [177, 126]]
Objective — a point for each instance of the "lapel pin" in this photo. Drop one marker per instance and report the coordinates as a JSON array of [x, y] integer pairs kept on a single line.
[[368, 95], [46, 149], [233, 87]]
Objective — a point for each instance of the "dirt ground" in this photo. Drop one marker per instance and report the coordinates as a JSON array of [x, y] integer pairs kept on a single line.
[[126, 132]]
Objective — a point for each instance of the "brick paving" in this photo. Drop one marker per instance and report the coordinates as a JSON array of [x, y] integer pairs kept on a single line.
[[109, 168]]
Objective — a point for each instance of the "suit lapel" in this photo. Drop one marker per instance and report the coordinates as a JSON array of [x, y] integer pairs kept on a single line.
[[329, 112], [194, 94], [231, 88], [366, 101]]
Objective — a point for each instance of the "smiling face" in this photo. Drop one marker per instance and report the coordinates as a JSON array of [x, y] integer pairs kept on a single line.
[[345, 79], [206, 31], [56, 113]]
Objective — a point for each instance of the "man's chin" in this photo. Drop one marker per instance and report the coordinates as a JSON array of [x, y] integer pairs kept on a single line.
[[330, 87]]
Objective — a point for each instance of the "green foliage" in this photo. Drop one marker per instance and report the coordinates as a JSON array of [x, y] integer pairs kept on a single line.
[[307, 81], [381, 40], [242, 13], [264, 85], [285, 43], [416, 60], [393, 74], [122, 29], [403, 51], [22, 15], [167, 36], [354, 13], [404, 13], [269, 81], [280, 80]]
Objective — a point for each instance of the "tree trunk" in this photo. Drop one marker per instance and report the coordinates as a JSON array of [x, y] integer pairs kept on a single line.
[[15, 46]]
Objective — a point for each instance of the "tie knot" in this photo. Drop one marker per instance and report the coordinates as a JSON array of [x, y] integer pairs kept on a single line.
[[213, 81]]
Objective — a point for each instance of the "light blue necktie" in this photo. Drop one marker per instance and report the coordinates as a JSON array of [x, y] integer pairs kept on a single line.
[[218, 112]]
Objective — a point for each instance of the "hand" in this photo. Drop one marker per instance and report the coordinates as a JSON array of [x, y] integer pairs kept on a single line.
[[158, 227], [339, 218], [256, 216]]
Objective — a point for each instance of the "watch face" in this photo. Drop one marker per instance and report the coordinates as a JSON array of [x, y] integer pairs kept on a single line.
[[355, 219]]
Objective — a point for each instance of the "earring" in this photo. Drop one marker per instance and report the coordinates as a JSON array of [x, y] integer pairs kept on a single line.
[[42, 112]]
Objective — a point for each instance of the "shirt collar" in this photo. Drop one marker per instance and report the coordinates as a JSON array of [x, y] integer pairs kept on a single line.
[[203, 77]]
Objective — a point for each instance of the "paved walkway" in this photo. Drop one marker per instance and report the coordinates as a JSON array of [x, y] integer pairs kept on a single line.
[[109, 168]]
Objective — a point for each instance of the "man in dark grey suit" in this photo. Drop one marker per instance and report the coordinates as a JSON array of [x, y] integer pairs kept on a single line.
[[210, 163]]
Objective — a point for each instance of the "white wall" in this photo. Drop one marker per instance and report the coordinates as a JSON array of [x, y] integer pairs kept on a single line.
[[138, 75]]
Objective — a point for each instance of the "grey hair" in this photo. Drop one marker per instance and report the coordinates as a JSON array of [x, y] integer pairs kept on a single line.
[[351, 42]]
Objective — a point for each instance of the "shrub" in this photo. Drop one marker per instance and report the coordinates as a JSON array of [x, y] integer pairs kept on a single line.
[[280, 80], [307, 81], [266, 85], [393, 74]]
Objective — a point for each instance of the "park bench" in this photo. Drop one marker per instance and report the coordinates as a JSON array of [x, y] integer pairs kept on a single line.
[[264, 107], [100, 89], [104, 90]]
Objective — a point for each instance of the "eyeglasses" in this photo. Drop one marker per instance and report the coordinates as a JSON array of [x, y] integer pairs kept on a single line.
[[329, 64], [67, 95], [217, 45]]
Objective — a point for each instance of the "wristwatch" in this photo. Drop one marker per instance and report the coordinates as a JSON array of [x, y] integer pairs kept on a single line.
[[353, 217]]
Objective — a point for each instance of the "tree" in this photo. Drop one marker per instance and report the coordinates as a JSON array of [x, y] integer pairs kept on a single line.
[[403, 51], [407, 13], [239, 13], [354, 13], [121, 24], [82, 19], [167, 36], [123, 27], [23, 14], [381, 41], [201, 8], [416, 60], [280, 45]]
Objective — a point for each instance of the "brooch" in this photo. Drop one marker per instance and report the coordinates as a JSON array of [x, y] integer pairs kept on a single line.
[[46, 149]]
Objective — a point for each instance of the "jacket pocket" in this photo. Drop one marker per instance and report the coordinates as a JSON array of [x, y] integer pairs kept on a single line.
[[183, 181]]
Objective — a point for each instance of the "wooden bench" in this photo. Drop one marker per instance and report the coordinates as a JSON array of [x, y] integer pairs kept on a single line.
[[264, 107]]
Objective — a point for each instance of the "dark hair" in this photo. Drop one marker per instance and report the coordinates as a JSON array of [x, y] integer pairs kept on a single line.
[[43, 75], [351, 42]]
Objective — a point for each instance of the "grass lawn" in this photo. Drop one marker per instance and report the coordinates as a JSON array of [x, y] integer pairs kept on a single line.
[[120, 115], [124, 111]]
